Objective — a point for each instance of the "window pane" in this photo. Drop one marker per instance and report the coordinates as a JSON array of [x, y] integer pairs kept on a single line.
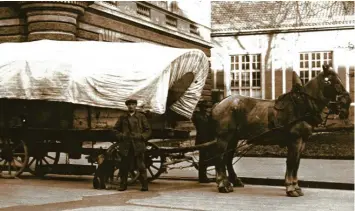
[[302, 74], [306, 75], [301, 56], [306, 55], [256, 79], [247, 66], [318, 55], [314, 74], [237, 58], [301, 65], [313, 64], [318, 63], [306, 64], [232, 58], [259, 58], [247, 58]]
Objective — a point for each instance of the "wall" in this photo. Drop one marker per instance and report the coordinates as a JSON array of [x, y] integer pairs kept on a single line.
[[280, 52]]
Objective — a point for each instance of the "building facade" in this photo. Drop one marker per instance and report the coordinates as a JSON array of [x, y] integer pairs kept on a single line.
[[167, 23], [257, 45]]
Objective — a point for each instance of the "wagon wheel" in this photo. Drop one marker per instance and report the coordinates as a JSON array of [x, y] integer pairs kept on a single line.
[[13, 157], [154, 164], [133, 174], [42, 159]]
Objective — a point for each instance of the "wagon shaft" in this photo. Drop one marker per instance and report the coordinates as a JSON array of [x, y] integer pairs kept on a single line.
[[167, 150]]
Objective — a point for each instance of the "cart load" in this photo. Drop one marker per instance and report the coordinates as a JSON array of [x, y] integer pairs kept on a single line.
[[103, 74], [55, 96]]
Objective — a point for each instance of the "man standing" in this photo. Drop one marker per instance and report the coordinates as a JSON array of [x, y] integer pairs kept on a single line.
[[204, 133], [133, 130]]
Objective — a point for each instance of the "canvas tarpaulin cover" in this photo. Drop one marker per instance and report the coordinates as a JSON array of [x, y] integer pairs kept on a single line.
[[101, 74]]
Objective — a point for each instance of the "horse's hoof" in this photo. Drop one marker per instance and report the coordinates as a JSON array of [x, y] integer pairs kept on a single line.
[[223, 190], [299, 191], [230, 189], [238, 183], [292, 193]]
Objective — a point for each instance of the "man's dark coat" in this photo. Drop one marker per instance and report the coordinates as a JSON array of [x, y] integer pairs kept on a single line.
[[133, 129]]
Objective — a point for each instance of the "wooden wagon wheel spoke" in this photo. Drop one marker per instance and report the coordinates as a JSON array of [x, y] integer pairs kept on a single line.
[[14, 165], [19, 154], [14, 154], [42, 159], [154, 167], [45, 161], [48, 156], [15, 159], [154, 163], [151, 172], [31, 162]]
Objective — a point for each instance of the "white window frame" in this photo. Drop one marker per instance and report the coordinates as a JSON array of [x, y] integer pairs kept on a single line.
[[238, 71], [311, 69]]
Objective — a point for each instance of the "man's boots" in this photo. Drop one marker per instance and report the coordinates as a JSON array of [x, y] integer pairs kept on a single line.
[[144, 181], [123, 184]]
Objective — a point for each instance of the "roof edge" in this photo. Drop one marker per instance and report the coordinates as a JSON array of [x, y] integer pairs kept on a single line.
[[281, 30]]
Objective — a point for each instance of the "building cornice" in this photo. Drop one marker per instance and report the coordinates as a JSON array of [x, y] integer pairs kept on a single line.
[[102, 7], [281, 30]]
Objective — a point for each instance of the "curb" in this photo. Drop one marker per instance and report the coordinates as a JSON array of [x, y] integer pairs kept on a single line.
[[280, 182]]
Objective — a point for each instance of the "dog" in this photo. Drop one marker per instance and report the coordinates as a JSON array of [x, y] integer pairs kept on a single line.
[[104, 173]]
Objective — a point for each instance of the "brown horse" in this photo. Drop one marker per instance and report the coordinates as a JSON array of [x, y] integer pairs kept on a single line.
[[288, 121]]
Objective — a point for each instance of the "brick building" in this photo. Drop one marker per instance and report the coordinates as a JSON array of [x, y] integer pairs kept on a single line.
[[258, 44], [160, 22]]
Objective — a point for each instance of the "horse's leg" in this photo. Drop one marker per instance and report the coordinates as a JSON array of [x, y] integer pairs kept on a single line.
[[233, 178], [224, 186], [292, 163], [300, 147]]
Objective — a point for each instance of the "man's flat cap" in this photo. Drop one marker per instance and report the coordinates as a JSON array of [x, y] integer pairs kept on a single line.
[[131, 101]]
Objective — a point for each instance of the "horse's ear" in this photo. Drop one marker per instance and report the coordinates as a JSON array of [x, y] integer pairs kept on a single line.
[[325, 69], [296, 79]]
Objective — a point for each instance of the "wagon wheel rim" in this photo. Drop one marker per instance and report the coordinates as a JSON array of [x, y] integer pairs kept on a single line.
[[13, 157], [154, 164], [36, 162]]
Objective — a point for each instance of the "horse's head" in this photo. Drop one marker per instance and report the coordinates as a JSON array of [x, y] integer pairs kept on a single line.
[[333, 93]]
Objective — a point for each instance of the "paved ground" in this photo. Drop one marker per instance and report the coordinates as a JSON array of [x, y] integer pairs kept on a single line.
[[320, 170], [75, 193]]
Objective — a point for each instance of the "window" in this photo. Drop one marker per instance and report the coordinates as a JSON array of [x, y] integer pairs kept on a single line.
[[143, 10], [171, 21], [311, 63], [246, 75]]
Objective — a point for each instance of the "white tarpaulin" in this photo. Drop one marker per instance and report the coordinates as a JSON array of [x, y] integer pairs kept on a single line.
[[101, 74]]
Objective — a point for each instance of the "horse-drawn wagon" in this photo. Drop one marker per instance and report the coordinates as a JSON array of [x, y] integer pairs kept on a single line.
[[65, 97]]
